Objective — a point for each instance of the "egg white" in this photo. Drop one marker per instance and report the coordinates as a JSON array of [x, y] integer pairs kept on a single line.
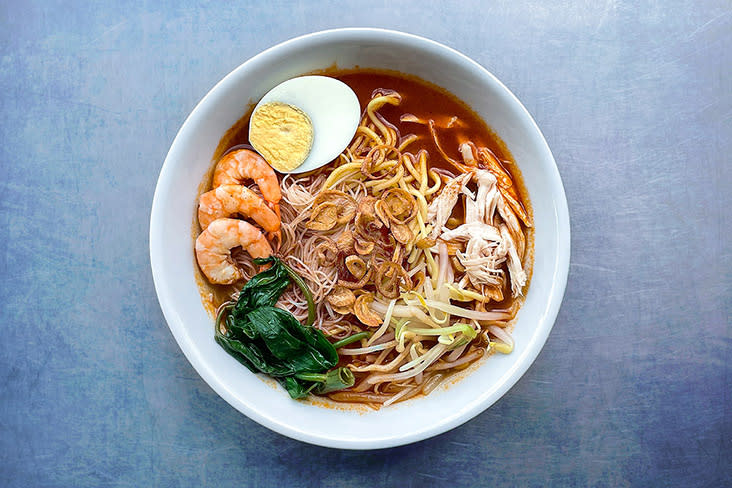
[[333, 109]]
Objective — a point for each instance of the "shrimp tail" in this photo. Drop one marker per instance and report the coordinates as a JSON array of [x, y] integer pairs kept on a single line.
[[275, 239], [275, 208]]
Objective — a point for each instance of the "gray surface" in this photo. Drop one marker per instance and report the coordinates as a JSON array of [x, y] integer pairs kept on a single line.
[[633, 386]]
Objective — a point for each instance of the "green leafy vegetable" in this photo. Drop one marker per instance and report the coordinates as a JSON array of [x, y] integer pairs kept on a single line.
[[333, 380], [270, 340]]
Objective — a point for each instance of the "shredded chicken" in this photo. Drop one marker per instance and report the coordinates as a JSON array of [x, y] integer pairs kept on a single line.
[[473, 231], [483, 254], [515, 269], [488, 243], [441, 207], [467, 152], [487, 197], [512, 222]]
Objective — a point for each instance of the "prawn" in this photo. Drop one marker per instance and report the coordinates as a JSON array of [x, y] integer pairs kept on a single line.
[[505, 183], [228, 200], [214, 245], [240, 165]]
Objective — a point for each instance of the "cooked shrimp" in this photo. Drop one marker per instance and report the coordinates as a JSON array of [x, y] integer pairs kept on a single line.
[[214, 245], [505, 183], [228, 200], [240, 165]]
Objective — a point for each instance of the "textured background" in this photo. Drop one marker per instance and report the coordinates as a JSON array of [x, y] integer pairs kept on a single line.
[[633, 386]]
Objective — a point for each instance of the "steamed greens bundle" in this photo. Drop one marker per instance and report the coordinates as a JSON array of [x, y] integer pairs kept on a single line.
[[272, 341]]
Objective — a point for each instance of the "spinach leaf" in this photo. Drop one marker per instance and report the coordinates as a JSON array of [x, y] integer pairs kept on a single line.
[[272, 341], [264, 289]]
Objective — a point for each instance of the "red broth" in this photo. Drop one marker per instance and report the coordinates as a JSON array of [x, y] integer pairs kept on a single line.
[[420, 98]]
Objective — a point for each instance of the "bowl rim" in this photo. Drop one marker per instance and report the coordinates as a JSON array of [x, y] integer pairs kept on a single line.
[[560, 265]]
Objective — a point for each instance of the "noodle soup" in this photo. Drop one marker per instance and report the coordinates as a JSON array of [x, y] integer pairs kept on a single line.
[[414, 246]]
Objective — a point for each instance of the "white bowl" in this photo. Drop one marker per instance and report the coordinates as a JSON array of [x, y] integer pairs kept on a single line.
[[173, 262]]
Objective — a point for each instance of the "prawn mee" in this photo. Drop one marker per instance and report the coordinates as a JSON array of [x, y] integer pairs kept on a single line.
[[412, 250]]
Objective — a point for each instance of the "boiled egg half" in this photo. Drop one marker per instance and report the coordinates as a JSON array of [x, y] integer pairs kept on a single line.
[[304, 123]]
